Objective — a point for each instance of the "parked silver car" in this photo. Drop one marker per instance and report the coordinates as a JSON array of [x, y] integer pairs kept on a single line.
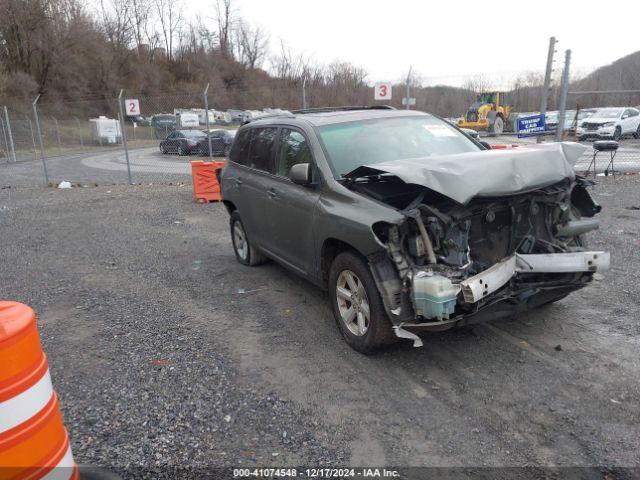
[[409, 224]]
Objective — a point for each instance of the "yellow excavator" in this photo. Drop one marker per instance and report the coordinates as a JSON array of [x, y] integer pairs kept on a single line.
[[489, 112]]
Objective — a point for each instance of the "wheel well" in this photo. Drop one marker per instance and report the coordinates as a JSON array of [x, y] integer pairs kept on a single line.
[[331, 248], [229, 206]]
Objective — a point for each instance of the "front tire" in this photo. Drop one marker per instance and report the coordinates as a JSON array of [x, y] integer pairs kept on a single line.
[[357, 306], [246, 253], [498, 126], [617, 134], [637, 134]]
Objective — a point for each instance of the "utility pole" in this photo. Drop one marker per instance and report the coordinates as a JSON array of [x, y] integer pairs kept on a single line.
[[547, 81], [408, 97], [304, 92], [564, 90]]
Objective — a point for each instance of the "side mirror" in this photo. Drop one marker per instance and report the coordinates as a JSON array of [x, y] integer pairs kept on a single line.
[[300, 174]]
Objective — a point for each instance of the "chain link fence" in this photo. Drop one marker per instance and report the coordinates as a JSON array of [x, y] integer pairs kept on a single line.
[[83, 142]]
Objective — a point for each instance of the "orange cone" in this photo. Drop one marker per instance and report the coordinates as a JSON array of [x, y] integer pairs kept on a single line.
[[34, 443]]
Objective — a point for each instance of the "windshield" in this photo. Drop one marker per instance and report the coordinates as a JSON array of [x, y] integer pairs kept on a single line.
[[582, 114], [353, 144], [608, 113], [487, 98]]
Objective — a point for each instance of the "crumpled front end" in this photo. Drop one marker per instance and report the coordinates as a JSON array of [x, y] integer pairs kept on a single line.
[[451, 263]]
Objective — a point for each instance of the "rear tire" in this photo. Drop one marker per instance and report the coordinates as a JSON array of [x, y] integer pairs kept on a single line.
[[637, 134], [246, 253], [353, 294]]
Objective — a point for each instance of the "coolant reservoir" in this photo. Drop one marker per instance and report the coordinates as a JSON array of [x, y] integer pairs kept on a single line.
[[434, 296]]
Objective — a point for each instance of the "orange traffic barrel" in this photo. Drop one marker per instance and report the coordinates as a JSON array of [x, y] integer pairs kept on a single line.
[[34, 443], [206, 187]]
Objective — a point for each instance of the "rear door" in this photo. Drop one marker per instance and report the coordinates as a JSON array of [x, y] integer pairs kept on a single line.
[[291, 208], [251, 180]]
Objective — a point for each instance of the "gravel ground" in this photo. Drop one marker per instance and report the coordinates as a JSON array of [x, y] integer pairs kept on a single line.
[[160, 364]]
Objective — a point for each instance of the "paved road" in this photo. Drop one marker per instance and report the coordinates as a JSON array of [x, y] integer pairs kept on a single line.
[[148, 165], [161, 364]]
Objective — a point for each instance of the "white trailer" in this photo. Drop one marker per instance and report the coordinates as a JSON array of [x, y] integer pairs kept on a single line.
[[105, 130], [188, 120], [202, 116]]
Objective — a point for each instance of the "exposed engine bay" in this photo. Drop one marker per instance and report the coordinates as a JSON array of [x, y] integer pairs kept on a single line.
[[450, 263]]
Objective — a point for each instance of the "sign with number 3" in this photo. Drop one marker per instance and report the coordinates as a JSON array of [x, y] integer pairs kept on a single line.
[[382, 91], [132, 107]]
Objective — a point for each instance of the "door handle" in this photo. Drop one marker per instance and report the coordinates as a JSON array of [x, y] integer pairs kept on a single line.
[[238, 181], [272, 193]]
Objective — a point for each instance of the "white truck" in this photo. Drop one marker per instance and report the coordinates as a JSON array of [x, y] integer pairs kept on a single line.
[[105, 131]]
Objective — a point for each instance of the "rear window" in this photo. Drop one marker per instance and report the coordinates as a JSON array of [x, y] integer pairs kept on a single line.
[[353, 144], [262, 149], [240, 149], [193, 133], [254, 148]]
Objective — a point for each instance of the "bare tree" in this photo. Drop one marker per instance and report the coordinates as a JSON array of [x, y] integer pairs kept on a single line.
[[251, 45], [140, 17], [170, 18], [225, 16]]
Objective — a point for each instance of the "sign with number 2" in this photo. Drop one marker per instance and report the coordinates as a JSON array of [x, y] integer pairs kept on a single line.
[[132, 106]]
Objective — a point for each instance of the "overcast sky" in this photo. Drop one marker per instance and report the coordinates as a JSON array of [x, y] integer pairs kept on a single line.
[[445, 40]]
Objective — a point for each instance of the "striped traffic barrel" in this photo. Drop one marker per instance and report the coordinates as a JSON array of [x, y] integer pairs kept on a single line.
[[34, 443]]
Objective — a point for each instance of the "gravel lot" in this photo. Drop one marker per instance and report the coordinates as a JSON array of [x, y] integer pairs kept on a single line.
[[148, 165], [161, 364]]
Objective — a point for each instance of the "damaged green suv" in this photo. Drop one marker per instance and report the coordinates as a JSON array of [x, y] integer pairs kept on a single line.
[[410, 224]]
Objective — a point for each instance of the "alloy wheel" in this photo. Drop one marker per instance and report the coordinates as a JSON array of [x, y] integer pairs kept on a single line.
[[353, 303], [240, 241]]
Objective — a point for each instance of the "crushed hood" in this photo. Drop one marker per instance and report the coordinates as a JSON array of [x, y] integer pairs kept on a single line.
[[485, 173]]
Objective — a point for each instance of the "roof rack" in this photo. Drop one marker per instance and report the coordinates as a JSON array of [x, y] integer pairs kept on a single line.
[[287, 114], [342, 109]]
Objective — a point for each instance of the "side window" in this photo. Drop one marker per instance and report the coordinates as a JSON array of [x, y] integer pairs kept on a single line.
[[293, 149], [260, 156], [633, 112], [240, 149], [626, 114]]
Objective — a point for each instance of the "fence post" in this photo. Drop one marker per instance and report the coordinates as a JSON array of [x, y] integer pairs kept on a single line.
[[124, 136], [6, 144], [80, 133], [55, 120], [33, 138], [35, 116], [13, 148], [206, 121]]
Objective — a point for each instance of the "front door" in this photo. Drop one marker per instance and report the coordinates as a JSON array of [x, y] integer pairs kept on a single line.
[[291, 208]]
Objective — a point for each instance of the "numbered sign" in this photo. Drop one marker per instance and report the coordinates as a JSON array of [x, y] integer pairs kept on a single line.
[[382, 91], [132, 107]]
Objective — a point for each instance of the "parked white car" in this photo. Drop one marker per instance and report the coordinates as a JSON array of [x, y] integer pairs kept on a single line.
[[611, 123]]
